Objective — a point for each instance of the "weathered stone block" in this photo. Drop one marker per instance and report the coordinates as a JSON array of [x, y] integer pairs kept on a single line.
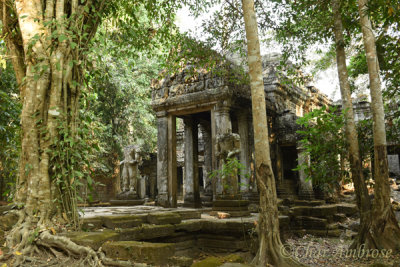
[[93, 239], [189, 226], [189, 214], [126, 221], [317, 211], [164, 218], [92, 223], [146, 232], [347, 208], [180, 261], [153, 253]]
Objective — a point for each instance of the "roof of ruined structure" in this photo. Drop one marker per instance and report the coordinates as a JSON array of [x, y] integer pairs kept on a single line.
[[201, 86]]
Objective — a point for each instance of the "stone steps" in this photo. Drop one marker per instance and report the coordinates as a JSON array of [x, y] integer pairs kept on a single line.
[[176, 239]]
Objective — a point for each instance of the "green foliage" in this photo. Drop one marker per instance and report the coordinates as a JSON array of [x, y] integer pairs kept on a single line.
[[10, 109], [119, 100], [71, 157], [232, 167], [323, 141]]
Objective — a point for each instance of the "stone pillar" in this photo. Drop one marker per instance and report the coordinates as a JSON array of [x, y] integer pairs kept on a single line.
[[306, 188], [245, 156], [207, 166], [191, 195], [172, 164], [222, 126], [162, 159]]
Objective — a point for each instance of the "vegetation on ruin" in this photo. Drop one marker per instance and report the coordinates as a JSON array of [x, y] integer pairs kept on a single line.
[[74, 88]]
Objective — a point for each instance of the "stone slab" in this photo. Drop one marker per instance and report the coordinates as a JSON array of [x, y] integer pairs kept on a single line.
[[146, 232], [164, 218], [189, 214], [125, 221], [143, 252], [317, 211], [189, 226]]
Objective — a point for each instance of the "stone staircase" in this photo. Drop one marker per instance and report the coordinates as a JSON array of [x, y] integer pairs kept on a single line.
[[174, 235], [287, 188]]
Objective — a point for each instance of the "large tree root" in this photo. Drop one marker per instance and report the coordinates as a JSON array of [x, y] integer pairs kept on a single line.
[[381, 232], [33, 244]]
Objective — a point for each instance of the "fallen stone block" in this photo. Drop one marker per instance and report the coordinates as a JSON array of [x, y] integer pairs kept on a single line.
[[143, 252]]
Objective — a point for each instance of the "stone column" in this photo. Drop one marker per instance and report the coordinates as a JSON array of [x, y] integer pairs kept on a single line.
[[207, 166], [172, 164], [306, 188], [162, 159], [222, 126], [191, 196], [245, 159]]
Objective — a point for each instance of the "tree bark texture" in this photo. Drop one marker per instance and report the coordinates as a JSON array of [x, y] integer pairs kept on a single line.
[[270, 250], [384, 230], [49, 71], [363, 200]]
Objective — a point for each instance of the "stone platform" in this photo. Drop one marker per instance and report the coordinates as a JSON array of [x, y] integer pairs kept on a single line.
[[136, 232]]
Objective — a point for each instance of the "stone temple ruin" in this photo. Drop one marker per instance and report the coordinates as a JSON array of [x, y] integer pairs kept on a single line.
[[212, 107]]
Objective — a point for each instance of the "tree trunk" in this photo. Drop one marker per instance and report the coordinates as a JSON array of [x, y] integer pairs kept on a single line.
[[385, 231], [363, 200], [50, 94], [271, 250]]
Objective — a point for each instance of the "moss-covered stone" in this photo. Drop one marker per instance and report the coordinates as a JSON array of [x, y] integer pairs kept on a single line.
[[93, 239], [126, 221], [317, 211], [219, 261], [164, 218], [144, 252], [146, 231], [189, 226], [209, 262], [180, 261], [91, 223], [189, 214]]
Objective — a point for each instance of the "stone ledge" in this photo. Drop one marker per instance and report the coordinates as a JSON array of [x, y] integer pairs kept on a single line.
[[153, 253]]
